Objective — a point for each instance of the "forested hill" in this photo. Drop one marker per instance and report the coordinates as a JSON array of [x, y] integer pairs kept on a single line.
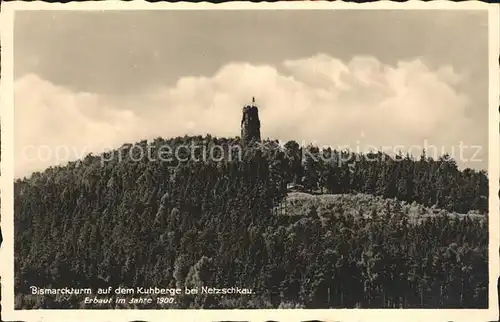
[[124, 220], [426, 181]]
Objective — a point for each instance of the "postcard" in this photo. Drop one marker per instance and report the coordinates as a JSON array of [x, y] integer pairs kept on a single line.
[[284, 161]]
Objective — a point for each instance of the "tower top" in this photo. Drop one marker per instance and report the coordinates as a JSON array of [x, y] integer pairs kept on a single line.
[[250, 106]]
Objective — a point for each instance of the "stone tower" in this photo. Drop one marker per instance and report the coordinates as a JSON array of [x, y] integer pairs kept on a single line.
[[250, 124]]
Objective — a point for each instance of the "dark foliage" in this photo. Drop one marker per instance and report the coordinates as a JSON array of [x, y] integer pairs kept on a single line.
[[144, 222]]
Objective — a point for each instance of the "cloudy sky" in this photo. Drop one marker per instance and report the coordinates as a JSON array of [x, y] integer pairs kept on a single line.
[[91, 81]]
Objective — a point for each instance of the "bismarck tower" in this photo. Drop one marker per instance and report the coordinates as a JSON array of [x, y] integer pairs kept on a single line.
[[250, 124]]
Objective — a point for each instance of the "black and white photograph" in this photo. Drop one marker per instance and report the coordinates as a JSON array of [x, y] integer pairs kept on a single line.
[[177, 158]]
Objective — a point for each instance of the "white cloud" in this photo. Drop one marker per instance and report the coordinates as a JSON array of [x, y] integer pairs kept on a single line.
[[319, 99]]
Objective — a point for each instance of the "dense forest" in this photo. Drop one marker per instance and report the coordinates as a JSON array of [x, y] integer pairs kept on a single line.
[[129, 221]]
